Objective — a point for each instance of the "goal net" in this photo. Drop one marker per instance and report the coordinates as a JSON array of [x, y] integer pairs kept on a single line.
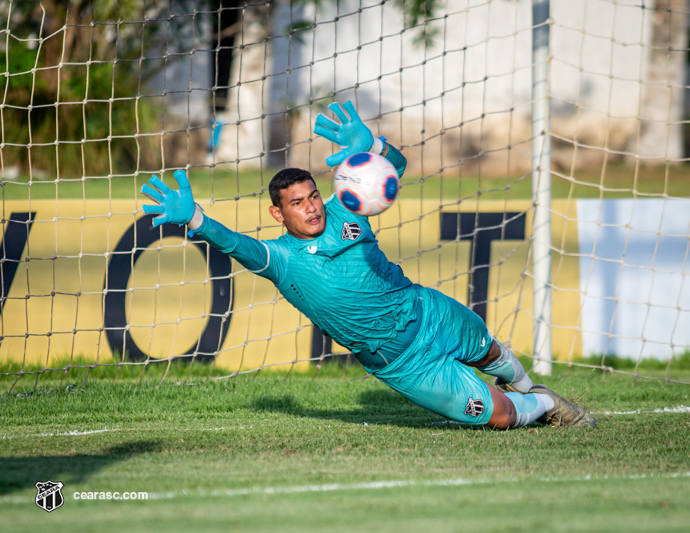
[[516, 117]]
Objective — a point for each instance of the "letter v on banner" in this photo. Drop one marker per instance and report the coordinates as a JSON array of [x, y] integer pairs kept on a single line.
[[14, 240]]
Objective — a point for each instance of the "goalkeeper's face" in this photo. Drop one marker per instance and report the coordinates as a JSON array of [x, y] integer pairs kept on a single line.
[[301, 210]]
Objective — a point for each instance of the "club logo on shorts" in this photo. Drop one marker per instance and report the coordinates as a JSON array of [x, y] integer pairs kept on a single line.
[[49, 496], [474, 407], [351, 230]]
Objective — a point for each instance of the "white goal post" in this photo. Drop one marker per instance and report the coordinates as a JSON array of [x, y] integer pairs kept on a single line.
[[546, 144]]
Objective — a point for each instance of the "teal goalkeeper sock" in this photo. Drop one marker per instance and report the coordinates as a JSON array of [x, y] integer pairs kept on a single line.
[[529, 407]]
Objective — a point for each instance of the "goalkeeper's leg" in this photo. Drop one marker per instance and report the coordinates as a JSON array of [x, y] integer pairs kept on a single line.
[[514, 405], [502, 363], [514, 410], [528, 398]]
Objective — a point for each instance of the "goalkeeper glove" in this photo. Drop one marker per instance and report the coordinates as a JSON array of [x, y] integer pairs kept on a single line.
[[173, 206], [351, 134]]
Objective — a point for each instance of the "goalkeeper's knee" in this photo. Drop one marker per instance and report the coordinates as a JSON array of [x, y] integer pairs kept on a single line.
[[509, 369]]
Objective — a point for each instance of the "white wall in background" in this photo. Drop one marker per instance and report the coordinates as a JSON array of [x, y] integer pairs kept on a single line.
[[635, 276]]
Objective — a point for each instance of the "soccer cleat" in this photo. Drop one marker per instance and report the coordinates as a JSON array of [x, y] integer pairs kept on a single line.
[[504, 386], [564, 413]]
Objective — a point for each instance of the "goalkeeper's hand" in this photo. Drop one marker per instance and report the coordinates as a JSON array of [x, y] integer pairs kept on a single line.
[[351, 134], [174, 206]]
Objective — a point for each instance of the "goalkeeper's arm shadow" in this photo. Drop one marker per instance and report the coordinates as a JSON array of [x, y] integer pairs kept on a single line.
[[20, 473], [377, 407]]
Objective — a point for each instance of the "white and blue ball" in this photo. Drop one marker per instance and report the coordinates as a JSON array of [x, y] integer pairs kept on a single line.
[[366, 184]]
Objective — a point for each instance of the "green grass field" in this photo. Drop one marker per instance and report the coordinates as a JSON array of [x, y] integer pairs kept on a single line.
[[333, 451]]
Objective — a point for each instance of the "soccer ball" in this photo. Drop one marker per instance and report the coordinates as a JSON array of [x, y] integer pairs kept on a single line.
[[366, 184]]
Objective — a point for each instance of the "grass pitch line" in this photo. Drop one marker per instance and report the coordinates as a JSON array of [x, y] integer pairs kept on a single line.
[[679, 409], [76, 432], [375, 485], [70, 433], [372, 485], [661, 410]]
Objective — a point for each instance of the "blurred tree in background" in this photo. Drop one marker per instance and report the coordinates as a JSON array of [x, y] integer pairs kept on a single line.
[[71, 76]]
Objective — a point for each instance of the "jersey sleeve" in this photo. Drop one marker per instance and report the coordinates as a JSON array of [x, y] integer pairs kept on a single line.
[[253, 254], [397, 159]]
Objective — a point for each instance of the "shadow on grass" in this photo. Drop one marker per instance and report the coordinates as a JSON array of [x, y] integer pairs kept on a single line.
[[381, 407], [18, 473]]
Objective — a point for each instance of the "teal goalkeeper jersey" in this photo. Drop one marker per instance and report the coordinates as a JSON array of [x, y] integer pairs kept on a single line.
[[341, 280]]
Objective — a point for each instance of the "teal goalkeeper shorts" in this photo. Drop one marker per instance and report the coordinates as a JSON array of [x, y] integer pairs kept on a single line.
[[430, 371]]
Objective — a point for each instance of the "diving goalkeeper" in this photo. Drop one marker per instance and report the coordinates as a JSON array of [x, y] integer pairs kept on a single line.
[[328, 265]]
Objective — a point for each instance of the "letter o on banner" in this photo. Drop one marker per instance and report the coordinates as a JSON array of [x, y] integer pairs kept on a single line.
[[136, 239]]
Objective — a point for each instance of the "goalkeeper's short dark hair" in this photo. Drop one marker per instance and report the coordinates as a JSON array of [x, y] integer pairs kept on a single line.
[[284, 179]]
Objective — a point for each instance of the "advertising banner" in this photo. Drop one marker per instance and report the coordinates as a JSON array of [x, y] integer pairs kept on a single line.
[[95, 279]]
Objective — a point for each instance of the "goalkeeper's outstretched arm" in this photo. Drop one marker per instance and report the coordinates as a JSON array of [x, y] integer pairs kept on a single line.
[[178, 207]]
